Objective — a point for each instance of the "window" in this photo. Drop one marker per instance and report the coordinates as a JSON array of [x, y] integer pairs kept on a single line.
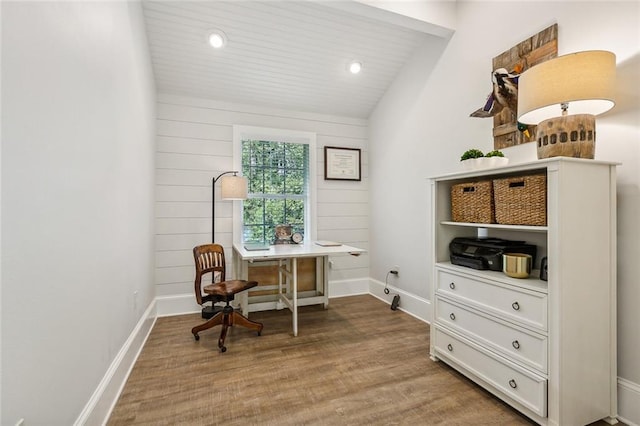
[[279, 166]]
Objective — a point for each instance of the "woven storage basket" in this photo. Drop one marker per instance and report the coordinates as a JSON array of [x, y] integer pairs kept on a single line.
[[472, 202], [521, 200]]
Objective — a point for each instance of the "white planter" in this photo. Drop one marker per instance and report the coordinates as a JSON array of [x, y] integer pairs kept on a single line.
[[484, 163]]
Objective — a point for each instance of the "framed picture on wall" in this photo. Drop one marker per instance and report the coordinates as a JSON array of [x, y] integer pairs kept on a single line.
[[341, 163]]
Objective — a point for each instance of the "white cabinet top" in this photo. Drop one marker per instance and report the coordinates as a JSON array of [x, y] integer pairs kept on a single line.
[[546, 163]]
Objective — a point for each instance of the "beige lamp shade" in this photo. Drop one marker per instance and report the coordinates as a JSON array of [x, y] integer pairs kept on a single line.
[[234, 187], [584, 80]]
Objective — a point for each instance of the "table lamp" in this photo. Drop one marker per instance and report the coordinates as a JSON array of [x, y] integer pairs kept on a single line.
[[562, 96]]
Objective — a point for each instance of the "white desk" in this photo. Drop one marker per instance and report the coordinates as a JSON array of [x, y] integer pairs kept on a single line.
[[287, 255]]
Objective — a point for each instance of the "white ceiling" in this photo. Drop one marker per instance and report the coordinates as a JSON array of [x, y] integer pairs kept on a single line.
[[289, 55]]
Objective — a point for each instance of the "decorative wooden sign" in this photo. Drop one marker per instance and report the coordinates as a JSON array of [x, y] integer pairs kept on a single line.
[[532, 51], [502, 102]]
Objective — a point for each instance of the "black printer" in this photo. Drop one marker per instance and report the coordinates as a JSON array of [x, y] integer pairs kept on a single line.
[[486, 253]]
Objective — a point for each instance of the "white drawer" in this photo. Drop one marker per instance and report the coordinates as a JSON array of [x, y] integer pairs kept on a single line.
[[515, 382], [527, 307], [517, 344]]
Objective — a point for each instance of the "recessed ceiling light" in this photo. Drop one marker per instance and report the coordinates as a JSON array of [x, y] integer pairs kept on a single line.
[[217, 39], [355, 67]]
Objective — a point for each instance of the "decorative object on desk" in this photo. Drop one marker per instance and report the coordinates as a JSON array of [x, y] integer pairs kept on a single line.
[[563, 96], [521, 200], [516, 265], [472, 202], [502, 102], [283, 234], [297, 237], [342, 163]]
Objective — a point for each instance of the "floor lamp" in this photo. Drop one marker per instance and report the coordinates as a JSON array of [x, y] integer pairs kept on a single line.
[[233, 187]]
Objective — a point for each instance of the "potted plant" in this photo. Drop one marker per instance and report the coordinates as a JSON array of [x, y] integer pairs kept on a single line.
[[496, 158], [470, 160], [471, 153], [494, 153]]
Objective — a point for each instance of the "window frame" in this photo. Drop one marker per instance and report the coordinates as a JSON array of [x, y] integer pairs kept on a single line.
[[241, 132]]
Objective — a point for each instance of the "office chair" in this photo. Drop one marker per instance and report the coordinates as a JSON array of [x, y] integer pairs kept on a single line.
[[209, 258]]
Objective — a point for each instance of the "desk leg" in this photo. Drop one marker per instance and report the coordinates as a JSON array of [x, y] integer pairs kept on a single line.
[[325, 281], [288, 268], [241, 272], [279, 304], [294, 262]]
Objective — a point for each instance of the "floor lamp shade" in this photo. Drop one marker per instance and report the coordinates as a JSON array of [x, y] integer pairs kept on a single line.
[[562, 96], [234, 187]]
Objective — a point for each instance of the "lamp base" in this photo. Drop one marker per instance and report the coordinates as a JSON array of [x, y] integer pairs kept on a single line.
[[567, 136]]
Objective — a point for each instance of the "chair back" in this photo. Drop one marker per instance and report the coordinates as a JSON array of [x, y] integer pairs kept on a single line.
[[209, 258]]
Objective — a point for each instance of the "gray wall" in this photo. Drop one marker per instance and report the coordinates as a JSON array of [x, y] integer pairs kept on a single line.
[[78, 105]]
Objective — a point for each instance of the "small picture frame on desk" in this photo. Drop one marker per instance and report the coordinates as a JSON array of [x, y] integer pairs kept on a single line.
[[342, 163]]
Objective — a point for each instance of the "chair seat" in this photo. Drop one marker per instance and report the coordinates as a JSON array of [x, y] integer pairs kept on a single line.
[[228, 288]]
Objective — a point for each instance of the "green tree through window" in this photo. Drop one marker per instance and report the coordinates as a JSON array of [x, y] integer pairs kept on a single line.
[[278, 174]]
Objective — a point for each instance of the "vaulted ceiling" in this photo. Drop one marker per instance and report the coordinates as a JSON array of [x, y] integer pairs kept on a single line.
[[290, 55]]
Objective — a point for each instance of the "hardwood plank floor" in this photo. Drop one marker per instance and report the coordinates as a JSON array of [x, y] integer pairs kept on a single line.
[[357, 363]]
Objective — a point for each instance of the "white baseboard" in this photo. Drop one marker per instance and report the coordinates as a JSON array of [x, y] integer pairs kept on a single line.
[[348, 287], [628, 402], [104, 398], [410, 303], [177, 304]]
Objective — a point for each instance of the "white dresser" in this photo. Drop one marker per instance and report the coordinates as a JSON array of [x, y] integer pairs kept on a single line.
[[548, 348]]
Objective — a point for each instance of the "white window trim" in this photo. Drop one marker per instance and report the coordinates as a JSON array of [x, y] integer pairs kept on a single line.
[[282, 135]]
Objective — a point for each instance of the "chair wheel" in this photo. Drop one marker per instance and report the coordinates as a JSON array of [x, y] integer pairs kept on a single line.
[[196, 337], [223, 349]]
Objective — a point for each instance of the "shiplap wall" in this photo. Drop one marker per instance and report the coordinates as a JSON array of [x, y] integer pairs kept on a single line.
[[195, 143]]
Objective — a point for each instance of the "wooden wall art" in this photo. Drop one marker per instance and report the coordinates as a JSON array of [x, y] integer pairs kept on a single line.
[[503, 100]]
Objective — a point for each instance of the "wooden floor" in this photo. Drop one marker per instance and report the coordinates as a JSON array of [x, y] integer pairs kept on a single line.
[[357, 363]]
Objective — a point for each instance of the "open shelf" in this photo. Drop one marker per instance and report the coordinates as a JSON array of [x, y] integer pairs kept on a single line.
[[496, 226]]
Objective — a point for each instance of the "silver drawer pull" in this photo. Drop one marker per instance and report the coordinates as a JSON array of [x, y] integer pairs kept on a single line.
[[513, 383], [515, 344], [452, 286], [452, 316], [450, 347], [515, 306]]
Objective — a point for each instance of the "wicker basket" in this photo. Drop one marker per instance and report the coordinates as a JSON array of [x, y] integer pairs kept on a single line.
[[521, 200], [472, 202]]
